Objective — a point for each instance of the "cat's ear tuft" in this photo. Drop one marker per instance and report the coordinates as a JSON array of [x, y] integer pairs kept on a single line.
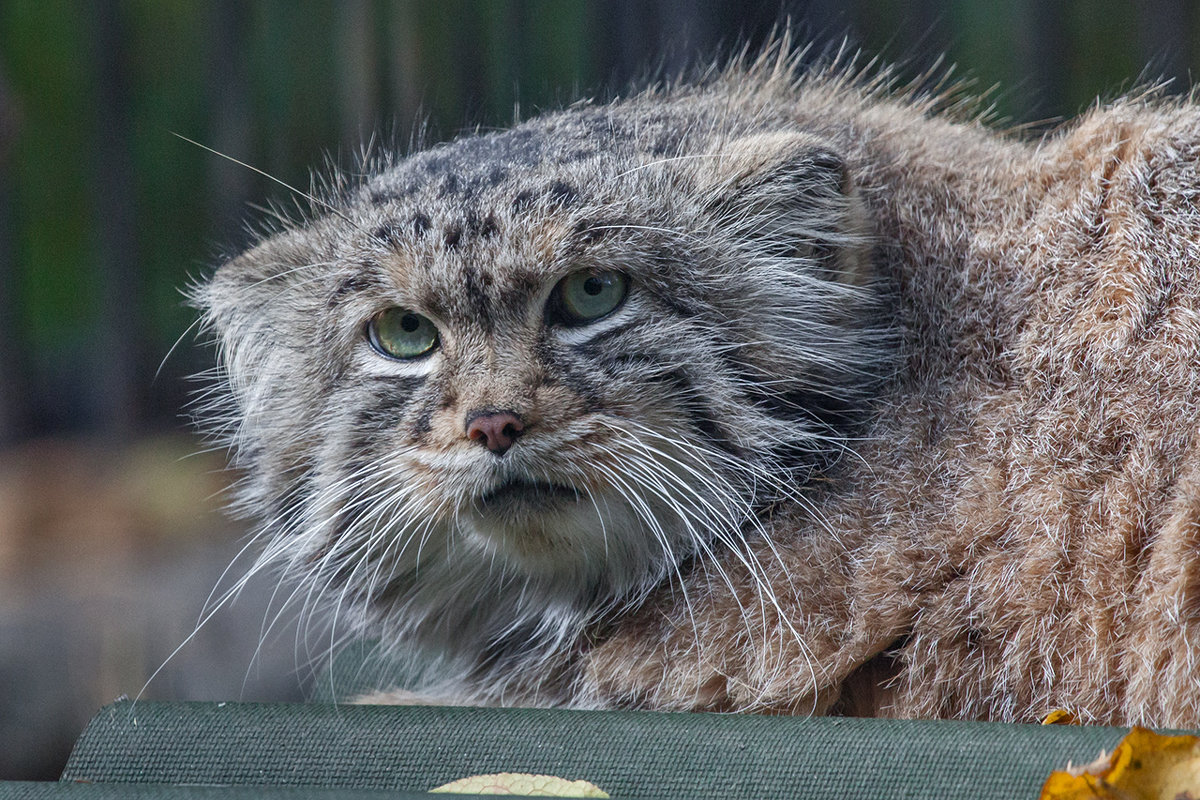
[[791, 194]]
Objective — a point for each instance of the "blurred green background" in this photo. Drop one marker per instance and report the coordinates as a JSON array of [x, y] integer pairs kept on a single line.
[[105, 214]]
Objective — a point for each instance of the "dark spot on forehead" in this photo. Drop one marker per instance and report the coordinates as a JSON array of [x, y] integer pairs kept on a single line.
[[452, 236], [522, 201], [518, 288], [476, 284], [489, 227], [497, 176], [562, 194], [420, 224], [485, 227], [471, 221], [353, 283], [450, 185], [432, 300], [387, 234]]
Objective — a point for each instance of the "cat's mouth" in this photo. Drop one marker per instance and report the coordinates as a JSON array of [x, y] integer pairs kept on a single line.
[[519, 494]]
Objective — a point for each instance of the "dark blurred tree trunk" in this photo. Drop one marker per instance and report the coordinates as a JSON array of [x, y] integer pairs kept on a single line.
[[467, 46], [923, 38], [358, 68], [626, 38], [117, 354], [516, 34], [685, 33], [1164, 39], [230, 185], [404, 55], [14, 381], [1043, 47], [674, 35]]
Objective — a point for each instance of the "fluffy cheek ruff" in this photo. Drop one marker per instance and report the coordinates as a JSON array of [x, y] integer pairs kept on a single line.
[[455, 550]]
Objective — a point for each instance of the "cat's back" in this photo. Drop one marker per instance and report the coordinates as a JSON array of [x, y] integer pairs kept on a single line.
[[1067, 458]]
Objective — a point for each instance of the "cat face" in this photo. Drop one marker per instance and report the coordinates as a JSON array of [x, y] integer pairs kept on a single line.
[[512, 382], [510, 420]]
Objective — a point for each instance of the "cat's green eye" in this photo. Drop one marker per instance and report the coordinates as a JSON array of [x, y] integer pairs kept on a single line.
[[400, 333], [591, 294]]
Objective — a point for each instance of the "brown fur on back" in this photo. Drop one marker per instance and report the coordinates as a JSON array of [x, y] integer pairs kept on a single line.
[[1021, 530]]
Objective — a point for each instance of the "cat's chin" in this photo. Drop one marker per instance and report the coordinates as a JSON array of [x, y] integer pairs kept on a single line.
[[563, 534], [541, 528]]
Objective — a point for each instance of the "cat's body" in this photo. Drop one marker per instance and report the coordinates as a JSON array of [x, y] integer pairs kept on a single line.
[[890, 415]]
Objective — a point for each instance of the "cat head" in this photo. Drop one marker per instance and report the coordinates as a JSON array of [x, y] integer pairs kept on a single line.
[[509, 383]]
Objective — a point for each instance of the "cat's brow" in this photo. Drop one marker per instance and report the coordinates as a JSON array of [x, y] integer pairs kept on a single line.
[[360, 281], [589, 231]]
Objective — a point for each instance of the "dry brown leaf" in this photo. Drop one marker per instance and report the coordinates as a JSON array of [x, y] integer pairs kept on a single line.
[[1144, 766]]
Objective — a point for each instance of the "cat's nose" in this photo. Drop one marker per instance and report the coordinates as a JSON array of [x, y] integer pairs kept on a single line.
[[496, 430]]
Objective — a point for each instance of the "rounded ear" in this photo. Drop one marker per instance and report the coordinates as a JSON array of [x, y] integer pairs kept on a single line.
[[235, 296], [791, 194]]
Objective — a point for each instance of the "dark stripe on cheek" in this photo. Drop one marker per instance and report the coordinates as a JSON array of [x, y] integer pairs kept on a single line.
[[671, 300], [390, 401], [424, 421], [814, 409], [561, 370], [695, 407], [632, 366]]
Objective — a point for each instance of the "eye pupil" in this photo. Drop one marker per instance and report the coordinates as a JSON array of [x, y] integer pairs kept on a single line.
[[410, 323], [593, 286]]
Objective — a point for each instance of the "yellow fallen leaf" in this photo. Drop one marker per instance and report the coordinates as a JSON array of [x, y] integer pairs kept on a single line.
[[521, 783], [1060, 716], [1144, 766]]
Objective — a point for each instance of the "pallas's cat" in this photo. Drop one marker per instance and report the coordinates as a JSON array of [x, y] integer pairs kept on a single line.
[[776, 392]]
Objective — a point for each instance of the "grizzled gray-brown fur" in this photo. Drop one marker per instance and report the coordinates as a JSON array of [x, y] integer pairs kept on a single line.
[[779, 391]]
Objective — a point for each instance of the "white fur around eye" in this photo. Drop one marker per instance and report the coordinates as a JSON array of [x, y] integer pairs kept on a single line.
[[375, 363], [580, 334]]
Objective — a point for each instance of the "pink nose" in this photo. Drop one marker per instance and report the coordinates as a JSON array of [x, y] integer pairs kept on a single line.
[[496, 430]]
